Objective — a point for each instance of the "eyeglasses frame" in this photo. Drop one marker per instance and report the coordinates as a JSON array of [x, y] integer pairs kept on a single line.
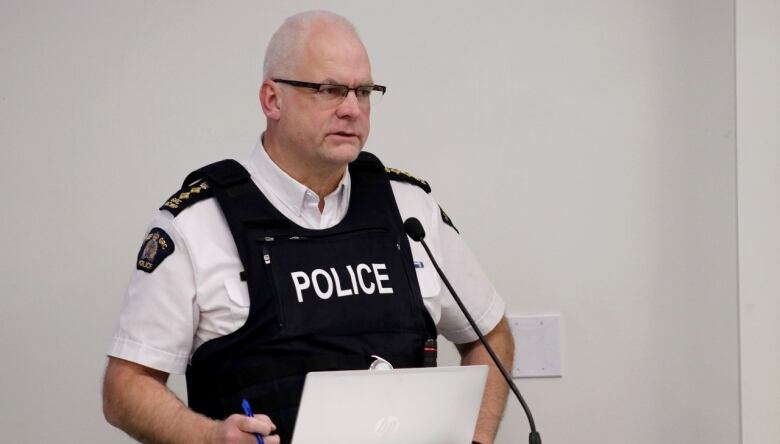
[[316, 86]]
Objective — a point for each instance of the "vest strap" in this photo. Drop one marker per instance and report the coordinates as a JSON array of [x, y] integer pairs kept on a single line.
[[368, 161], [225, 173]]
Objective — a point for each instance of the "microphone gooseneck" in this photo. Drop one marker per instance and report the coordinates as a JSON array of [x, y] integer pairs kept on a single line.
[[416, 232]]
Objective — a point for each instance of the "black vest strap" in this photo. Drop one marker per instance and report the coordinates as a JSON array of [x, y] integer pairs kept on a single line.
[[225, 173], [227, 178], [368, 161]]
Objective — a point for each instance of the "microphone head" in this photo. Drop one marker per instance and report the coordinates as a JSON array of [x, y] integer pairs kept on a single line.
[[414, 229]]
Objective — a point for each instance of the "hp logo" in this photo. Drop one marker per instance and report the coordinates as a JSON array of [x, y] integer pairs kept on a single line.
[[387, 425]]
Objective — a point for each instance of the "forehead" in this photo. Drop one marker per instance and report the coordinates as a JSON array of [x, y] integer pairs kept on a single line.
[[333, 54]]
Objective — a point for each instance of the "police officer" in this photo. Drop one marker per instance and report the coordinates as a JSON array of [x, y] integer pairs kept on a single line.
[[294, 260]]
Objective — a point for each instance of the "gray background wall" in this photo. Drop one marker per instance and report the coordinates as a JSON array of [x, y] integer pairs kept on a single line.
[[758, 161], [586, 150]]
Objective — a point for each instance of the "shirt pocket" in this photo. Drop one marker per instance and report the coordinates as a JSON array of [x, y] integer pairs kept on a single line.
[[430, 285]]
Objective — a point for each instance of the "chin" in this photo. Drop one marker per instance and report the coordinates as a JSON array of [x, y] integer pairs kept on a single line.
[[343, 153]]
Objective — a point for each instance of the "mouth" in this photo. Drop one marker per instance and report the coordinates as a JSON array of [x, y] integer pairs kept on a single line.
[[346, 134]]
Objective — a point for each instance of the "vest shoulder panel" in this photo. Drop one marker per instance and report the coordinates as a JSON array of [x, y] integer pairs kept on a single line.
[[195, 188]]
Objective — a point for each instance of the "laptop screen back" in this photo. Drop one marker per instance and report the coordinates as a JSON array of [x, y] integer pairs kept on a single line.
[[412, 406]]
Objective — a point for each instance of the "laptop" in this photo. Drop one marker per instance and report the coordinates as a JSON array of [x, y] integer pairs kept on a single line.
[[436, 405]]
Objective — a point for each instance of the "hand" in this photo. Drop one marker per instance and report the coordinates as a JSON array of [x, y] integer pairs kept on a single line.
[[240, 429]]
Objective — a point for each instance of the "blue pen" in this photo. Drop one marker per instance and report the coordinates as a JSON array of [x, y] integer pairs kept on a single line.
[[248, 412]]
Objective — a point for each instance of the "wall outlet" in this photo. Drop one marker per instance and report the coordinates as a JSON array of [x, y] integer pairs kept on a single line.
[[537, 346]]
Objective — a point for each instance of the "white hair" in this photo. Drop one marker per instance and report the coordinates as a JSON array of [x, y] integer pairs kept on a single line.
[[280, 56]]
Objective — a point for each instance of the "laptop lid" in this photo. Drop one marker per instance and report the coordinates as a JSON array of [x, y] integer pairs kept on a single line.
[[436, 405]]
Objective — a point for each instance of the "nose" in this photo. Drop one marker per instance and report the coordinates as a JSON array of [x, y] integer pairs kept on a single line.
[[350, 106]]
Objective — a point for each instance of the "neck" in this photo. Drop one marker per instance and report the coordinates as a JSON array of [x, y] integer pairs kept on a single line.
[[322, 179]]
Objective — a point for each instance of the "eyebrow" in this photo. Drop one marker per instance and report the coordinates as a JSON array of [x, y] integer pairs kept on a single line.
[[331, 81]]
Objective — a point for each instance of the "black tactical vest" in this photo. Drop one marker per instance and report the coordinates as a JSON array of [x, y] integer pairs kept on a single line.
[[319, 299]]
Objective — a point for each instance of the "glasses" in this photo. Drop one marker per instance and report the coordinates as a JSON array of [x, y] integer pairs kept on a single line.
[[333, 95]]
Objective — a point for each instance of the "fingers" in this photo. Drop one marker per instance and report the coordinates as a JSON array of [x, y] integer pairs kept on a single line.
[[273, 439], [265, 418], [261, 424], [241, 429]]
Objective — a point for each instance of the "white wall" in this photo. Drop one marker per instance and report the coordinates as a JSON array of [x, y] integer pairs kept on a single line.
[[758, 142], [585, 149]]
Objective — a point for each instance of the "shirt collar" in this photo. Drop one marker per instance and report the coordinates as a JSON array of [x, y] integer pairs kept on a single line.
[[291, 193]]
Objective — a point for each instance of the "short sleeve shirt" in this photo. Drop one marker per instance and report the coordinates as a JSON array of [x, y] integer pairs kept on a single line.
[[195, 294]]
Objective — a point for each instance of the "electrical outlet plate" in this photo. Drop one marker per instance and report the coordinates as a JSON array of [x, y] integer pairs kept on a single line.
[[537, 346]]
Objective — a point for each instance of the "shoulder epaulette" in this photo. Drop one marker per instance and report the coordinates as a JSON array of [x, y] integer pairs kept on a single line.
[[187, 196], [403, 176]]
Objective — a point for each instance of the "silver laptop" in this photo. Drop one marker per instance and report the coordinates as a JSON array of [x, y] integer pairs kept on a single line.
[[411, 406]]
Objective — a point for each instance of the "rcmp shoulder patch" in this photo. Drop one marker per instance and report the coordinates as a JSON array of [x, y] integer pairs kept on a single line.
[[403, 176], [186, 197], [447, 219], [156, 247]]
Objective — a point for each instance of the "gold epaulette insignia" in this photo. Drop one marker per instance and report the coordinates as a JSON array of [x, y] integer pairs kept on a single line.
[[403, 176], [186, 197]]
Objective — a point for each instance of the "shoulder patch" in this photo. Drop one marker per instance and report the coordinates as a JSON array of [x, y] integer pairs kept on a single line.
[[186, 197], [403, 176], [156, 247], [447, 219]]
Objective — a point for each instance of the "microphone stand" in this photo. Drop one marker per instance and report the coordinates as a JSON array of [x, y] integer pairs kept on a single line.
[[415, 231]]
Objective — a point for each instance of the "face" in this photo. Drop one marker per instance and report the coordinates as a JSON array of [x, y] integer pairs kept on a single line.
[[319, 134]]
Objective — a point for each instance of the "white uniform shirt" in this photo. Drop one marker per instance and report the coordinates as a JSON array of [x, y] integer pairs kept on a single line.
[[196, 294]]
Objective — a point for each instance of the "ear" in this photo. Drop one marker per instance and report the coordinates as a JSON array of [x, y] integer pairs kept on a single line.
[[271, 99]]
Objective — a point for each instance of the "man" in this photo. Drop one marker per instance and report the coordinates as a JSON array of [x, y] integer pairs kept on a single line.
[[295, 261]]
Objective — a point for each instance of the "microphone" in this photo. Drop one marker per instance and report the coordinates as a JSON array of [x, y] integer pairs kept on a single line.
[[414, 229], [416, 232]]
